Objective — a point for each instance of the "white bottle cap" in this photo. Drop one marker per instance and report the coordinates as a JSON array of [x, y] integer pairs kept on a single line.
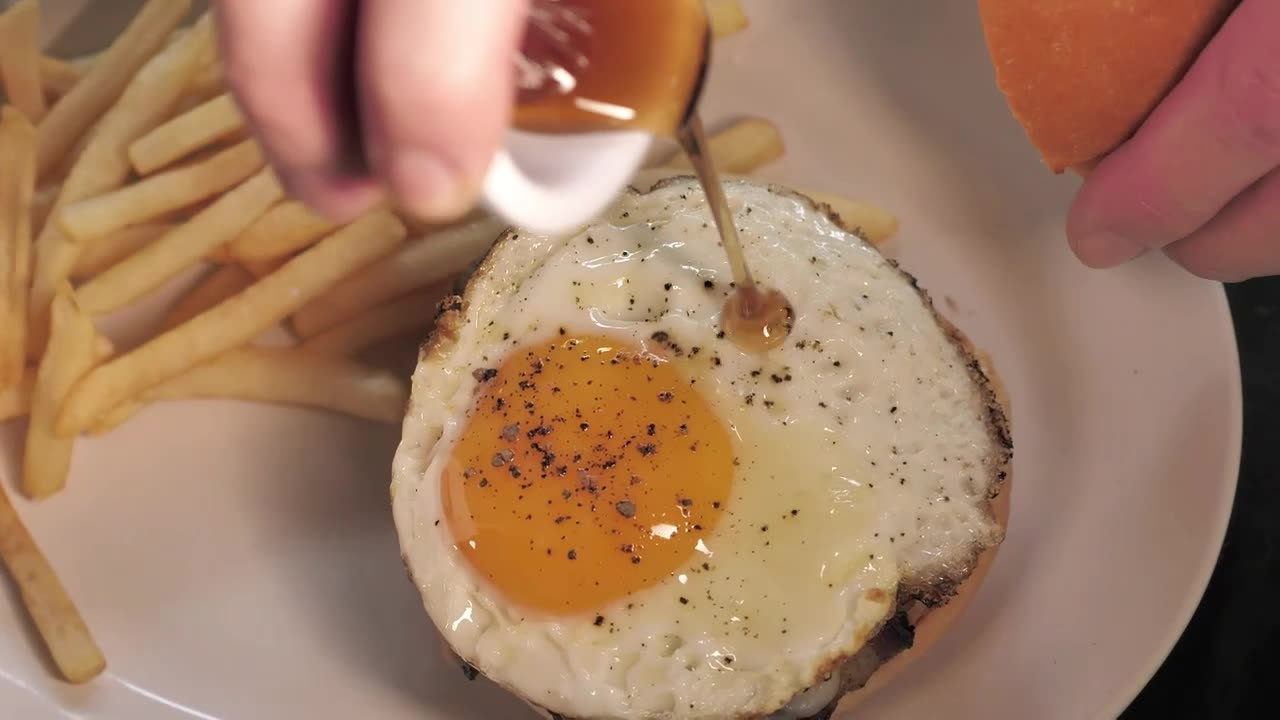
[[552, 184]]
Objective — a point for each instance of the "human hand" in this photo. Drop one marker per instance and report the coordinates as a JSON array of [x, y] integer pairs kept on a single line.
[[353, 99], [1201, 179]]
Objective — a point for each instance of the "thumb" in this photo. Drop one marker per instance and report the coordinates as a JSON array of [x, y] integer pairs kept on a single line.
[[436, 88]]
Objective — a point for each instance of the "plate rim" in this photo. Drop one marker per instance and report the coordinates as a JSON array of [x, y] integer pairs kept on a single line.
[[1122, 699]]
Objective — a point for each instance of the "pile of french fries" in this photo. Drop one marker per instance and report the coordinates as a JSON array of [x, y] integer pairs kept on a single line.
[[121, 172]]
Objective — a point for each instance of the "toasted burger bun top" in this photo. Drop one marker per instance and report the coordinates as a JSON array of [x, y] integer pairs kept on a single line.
[[1082, 75]]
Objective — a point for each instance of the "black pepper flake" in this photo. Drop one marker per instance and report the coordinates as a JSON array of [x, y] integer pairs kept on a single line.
[[715, 504], [893, 409], [469, 671], [572, 555], [708, 284], [599, 620], [647, 449], [666, 286], [685, 502], [684, 600], [651, 429], [484, 374], [484, 482], [666, 396], [502, 457], [583, 426], [660, 336], [628, 548], [626, 509], [720, 335], [764, 528]]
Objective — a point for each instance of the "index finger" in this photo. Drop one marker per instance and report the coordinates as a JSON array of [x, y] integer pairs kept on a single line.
[[1216, 134], [288, 62]]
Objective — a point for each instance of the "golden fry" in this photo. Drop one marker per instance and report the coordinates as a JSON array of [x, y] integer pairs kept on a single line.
[[193, 130], [182, 247], [55, 616], [288, 376], [423, 262], [57, 77], [232, 323], [17, 188], [106, 80], [207, 84], [739, 148], [726, 17], [102, 166], [159, 194], [871, 223], [221, 283], [104, 252], [284, 230], [71, 353], [16, 400], [20, 58], [413, 312]]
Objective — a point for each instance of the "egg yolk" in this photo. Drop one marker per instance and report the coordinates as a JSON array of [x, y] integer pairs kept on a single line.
[[587, 470]]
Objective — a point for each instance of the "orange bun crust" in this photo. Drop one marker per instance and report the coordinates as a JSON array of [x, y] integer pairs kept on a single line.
[[1082, 75]]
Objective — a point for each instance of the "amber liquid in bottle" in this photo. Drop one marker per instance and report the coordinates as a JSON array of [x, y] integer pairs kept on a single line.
[[588, 65]]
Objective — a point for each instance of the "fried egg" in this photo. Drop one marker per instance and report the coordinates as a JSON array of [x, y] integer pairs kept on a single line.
[[614, 512]]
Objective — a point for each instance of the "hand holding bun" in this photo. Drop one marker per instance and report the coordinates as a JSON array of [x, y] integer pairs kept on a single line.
[[1176, 128]]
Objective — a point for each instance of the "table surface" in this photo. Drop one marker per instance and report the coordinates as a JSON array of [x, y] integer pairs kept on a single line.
[[1218, 667]]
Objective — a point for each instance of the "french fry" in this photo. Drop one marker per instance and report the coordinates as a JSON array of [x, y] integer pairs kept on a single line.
[[421, 263], [102, 166], [106, 80], [16, 400], [264, 268], [182, 247], [739, 148], [42, 207], [726, 17], [17, 188], [104, 252], [287, 376], [221, 283], [55, 616], [57, 77], [232, 323], [873, 224], [71, 353], [193, 130], [413, 312], [162, 193], [120, 415], [20, 58], [283, 230], [206, 84]]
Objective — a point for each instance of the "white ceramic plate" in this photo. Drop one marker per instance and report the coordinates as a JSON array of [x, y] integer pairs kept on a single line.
[[238, 561]]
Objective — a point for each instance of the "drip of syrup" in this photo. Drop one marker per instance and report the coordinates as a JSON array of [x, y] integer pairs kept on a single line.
[[588, 65]]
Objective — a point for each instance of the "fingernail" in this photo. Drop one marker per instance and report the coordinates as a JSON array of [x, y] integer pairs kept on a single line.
[[427, 185], [1106, 249]]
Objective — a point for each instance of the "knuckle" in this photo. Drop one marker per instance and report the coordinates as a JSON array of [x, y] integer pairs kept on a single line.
[[1251, 101]]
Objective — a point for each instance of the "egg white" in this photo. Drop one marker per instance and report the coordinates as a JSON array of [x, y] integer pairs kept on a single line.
[[858, 444]]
